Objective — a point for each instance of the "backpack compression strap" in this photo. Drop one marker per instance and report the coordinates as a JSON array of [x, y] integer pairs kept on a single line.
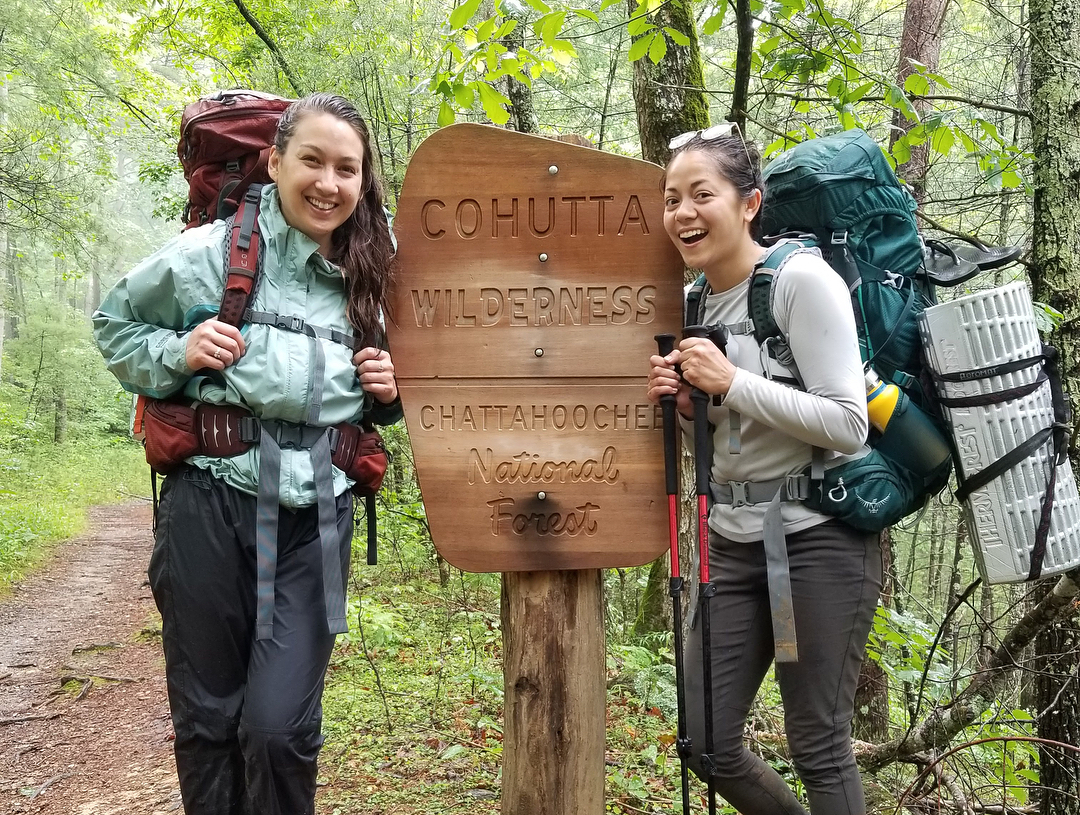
[[243, 258], [1055, 435]]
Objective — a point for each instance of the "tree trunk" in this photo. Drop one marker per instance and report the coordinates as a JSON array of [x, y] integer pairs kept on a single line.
[[669, 100], [553, 673], [60, 416], [920, 41], [1055, 102], [554, 659], [668, 95], [522, 111]]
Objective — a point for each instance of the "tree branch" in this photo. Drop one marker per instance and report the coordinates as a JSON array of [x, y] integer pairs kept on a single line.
[[279, 58], [943, 723]]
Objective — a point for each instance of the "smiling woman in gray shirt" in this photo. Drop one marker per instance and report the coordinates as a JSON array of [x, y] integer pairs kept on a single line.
[[766, 429]]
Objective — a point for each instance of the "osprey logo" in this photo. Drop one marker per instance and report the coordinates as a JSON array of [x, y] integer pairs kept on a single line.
[[839, 494], [873, 506]]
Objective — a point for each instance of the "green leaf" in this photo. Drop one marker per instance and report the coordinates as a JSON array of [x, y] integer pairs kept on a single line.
[[608, 4], [990, 129], [563, 52], [766, 47], [463, 95], [859, 92], [539, 5], [1010, 179], [551, 27], [942, 140], [494, 103], [677, 36], [917, 84], [452, 751], [483, 33], [505, 28], [658, 48], [712, 25], [588, 14], [446, 115], [901, 151], [938, 79], [638, 25], [463, 13], [836, 87], [641, 46], [966, 140]]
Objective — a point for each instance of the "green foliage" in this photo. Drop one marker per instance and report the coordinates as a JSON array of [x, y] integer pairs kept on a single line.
[[45, 488], [900, 644]]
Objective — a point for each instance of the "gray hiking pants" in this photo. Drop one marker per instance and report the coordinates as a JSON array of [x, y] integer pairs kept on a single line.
[[247, 713], [835, 581]]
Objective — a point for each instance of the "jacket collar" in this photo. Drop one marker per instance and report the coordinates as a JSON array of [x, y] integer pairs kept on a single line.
[[277, 233]]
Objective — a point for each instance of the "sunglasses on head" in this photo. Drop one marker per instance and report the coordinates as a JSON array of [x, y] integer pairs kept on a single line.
[[708, 134], [712, 134]]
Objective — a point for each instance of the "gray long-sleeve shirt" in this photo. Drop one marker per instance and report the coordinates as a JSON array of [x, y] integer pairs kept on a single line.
[[779, 423]]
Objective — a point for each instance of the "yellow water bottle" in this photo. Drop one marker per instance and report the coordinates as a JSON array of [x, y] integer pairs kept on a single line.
[[881, 399]]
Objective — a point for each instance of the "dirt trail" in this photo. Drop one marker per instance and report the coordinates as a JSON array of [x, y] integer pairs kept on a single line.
[[84, 723]]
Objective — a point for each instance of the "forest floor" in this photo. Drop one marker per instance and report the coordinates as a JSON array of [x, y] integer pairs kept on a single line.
[[84, 720]]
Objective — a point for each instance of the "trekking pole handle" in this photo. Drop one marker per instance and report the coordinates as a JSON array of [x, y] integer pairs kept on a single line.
[[717, 334], [665, 344]]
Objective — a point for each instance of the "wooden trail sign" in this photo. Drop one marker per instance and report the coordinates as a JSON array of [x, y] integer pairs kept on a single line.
[[532, 277]]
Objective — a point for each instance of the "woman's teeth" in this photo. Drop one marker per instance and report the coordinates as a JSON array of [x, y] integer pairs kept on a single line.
[[692, 235], [323, 205]]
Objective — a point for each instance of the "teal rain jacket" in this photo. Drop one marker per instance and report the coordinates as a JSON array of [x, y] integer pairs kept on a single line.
[[141, 329]]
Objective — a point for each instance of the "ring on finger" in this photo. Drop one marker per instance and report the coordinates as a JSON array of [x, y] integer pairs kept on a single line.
[[217, 352], [380, 367]]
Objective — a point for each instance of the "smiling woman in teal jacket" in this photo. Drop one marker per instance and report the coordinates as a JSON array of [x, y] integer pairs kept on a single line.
[[246, 653]]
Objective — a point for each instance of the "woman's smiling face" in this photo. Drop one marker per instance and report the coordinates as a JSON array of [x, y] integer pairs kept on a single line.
[[319, 176], [704, 214]]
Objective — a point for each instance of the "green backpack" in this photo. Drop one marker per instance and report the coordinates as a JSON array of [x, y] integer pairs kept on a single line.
[[839, 194]]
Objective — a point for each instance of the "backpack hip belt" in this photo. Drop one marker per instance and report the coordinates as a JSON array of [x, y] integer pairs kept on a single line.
[[227, 430]]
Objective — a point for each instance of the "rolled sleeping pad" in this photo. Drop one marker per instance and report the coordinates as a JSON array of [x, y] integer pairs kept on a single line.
[[981, 330]]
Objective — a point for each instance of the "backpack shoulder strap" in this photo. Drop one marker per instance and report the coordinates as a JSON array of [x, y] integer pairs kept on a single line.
[[759, 303], [242, 266], [694, 311]]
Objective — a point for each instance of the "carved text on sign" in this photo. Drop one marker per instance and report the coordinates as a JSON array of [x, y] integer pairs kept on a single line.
[[484, 418], [504, 216], [534, 306], [575, 522], [530, 468]]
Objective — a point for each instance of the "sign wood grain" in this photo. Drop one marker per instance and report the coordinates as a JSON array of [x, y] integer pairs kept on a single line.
[[532, 277]]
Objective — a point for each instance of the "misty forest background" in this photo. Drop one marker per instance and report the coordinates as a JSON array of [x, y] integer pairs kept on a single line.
[[970, 699]]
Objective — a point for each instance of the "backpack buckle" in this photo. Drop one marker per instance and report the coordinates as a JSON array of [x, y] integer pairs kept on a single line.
[[248, 426], [797, 487], [839, 238], [738, 494], [334, 437], [289, 323]]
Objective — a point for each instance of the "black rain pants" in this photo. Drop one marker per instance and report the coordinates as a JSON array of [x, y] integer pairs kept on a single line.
[[247, 714], [835, 582]]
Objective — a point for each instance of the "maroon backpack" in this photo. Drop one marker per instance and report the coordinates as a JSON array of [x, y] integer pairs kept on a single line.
[[224, 147]]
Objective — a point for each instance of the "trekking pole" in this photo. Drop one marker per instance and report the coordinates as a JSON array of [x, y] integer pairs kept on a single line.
[[706, 590], [666, 344]]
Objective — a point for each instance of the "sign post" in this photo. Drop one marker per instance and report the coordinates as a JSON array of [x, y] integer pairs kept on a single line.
[[532, 277]]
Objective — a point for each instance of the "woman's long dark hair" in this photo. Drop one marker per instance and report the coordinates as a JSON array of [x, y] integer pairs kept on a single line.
[[361, 246]]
